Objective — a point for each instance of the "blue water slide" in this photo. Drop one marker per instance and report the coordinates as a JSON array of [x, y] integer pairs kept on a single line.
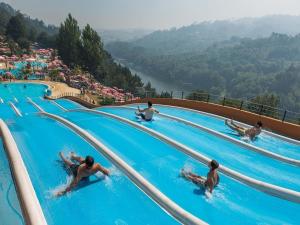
[[264, 140], [231, 202], [100, 200], [228, 154]]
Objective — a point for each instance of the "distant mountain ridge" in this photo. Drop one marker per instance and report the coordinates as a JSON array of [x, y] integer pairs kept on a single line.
[[6, 12], [197, 37], [111, 35]]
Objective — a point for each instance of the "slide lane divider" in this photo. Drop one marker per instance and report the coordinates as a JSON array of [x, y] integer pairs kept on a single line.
[[17, 111], [228, 138], [270, 189], [167, 204], [293, 141], [35, 105], [58, 105]]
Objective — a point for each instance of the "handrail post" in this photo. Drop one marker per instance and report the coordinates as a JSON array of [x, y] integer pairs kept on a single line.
[[283, 118], [241, 106], [207, 100], [182, 94], [261, 109]]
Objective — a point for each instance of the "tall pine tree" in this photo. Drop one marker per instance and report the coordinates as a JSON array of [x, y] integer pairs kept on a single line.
[[92, 49], [68, 41]]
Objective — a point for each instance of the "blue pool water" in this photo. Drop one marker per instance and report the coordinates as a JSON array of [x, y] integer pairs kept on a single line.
[[68, 104], [233, 156], [100, 201], [10, 212], [12, 91], [232, 203], [116, 200], [264, 140]]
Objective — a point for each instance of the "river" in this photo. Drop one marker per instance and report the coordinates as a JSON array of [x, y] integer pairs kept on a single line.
[[159, 85]]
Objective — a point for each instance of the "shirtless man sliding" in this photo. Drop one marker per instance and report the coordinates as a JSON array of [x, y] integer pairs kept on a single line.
[[210, 182], [147, 113], [251, 132], [81, 170]]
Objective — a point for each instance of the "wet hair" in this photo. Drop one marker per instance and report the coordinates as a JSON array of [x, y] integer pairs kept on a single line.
[[89, 161], [259, 123], [149, 103], [214, 164]]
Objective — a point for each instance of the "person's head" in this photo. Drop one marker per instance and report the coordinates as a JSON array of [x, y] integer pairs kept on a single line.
[[214, 164], [259, 124], [149, 104], [89, 161]]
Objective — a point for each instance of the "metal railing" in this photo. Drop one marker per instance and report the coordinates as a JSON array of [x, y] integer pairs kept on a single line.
[[247, 105], [242, 104], [75, 95]]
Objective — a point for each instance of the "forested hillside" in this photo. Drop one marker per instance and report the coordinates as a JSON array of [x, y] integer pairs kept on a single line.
[[246, 69], [28, 29]]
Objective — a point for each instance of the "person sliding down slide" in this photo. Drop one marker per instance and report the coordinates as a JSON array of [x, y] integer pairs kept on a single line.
[[210, 182], [147, 113], [251, 132], [81, 170]]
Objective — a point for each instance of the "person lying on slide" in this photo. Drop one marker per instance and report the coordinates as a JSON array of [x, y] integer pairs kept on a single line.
[[210, 182], [147, 113], [242, 131], [81, 170]]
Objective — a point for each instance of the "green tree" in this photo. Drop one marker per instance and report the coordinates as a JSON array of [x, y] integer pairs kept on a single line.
[[53, 74], [16, 28], [68, 41], [92, 49]]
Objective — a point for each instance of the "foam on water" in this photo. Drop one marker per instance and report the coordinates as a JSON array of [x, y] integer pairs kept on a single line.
[[53, 193]]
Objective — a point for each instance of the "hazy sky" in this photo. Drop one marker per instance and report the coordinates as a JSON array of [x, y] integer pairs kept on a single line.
[[154, 14]]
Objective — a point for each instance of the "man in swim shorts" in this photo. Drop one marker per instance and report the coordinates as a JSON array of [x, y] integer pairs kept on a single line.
[[81, 170], [242, 131], [210, 182], [147, 113]]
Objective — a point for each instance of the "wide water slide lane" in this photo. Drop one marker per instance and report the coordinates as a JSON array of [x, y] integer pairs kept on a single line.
[[228, 154], [47, 105], [160, 164], [25, 107], [68, 104], [265, 141], [95, 201]]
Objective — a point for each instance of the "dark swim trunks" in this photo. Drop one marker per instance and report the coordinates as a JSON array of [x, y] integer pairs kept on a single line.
[[144, 117], [74, 169]]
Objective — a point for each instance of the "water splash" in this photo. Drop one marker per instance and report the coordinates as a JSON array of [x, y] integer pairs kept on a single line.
[[120, 222], [53, 193], [246, 139]]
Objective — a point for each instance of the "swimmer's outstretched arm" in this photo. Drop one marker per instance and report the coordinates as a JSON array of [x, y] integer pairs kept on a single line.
[[72, 185], [103, 170], [141, 110]]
